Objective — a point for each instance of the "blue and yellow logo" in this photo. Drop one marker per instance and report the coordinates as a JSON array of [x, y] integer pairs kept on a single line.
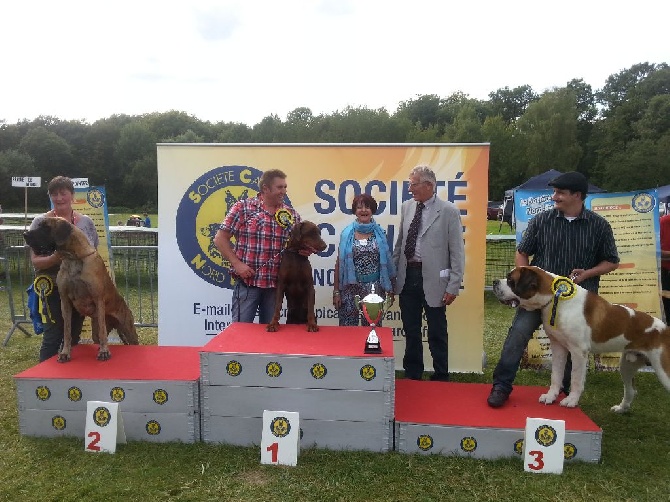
[[74, 394], [468, 444], [117, 394], [160, 396], [273, 369], [368, 372], [545, 435], [101, 416], [569, 451], [318, 371], [233, 368], [95, 197], [58, 423], [424, 442], [643, 202], [280, 427], [42, 392], [153, 428], [518, 446]]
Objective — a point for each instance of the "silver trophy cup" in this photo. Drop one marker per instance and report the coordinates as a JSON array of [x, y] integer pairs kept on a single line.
[[373, 307]]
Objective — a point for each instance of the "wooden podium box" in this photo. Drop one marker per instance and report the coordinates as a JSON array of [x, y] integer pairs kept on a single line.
[[157, 389], [345, 397]]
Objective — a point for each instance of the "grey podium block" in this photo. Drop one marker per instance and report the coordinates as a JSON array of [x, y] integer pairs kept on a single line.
[[332, 434], [150, 396], [153, 427], [485, 443], [296, 371], [319, 404]]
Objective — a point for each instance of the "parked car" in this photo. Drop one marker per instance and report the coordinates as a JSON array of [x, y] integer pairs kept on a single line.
[[493, 210]]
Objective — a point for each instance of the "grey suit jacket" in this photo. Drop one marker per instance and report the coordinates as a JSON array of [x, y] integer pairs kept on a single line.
[[441, 248]]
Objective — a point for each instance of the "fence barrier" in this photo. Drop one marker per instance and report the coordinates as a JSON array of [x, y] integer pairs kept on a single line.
[[135, 266], [134, 263]]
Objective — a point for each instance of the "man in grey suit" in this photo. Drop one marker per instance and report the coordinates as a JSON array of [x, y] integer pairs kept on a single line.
[[429, 257]]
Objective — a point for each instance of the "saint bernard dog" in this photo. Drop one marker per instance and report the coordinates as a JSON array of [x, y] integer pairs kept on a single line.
[[578, 321]]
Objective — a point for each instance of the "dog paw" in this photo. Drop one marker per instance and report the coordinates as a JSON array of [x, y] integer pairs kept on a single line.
[[570, 401], [273, 327], [63, 358], [104, 355], [548, 398], [619, 408]]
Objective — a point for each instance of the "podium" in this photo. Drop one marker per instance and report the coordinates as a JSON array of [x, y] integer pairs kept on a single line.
[[345, 397], [156, 387]]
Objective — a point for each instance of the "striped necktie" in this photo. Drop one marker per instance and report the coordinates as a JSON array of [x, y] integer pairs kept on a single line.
[[413, 232]]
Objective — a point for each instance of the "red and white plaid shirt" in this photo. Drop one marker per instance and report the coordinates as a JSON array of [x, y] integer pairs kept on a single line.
[[259, 239]]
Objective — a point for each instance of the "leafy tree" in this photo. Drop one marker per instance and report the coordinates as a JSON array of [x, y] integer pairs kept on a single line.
[[549, 128], [51, 154], [13, 163], [507, 164], [511, 104]]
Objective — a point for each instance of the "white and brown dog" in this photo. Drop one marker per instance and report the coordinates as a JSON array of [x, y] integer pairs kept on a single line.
[[578, 321]]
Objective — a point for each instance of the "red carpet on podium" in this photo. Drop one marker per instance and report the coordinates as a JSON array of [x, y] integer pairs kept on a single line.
[[464, 404]]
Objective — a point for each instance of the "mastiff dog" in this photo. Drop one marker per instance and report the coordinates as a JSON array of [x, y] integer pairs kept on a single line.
[[84, 284]]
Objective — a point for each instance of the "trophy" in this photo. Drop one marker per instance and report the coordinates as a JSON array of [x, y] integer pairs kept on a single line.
[[373, 307]]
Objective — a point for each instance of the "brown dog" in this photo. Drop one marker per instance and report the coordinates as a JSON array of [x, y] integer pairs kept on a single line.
[[295, 277], [85, 284]]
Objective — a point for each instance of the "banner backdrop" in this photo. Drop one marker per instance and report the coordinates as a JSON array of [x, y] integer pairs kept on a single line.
[[198, 183], [634, 218]]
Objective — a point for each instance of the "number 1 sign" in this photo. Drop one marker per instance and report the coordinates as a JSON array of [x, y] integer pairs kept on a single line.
[[280, 440], [104, 427]]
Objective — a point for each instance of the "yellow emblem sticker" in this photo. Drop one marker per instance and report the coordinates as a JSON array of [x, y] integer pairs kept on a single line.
[[273, 369], [368, 372], [42, 392], [233, 368], [318, 371], [58, 423], [468, 444], [101, 416], [117, 394], [160, 396], [74, 394], [545, 435], [424, 442], [280, 427], [153, 428]]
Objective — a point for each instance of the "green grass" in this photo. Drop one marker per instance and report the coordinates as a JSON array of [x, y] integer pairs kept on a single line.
[[635, 454]]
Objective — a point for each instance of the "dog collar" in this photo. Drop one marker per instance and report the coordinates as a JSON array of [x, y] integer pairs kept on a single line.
[[563, 289]]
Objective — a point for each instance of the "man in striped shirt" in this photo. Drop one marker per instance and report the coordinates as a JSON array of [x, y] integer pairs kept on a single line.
[[568, 240], [261, 226]]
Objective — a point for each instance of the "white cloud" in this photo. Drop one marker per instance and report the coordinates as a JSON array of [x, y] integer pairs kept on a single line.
[[243, 60]]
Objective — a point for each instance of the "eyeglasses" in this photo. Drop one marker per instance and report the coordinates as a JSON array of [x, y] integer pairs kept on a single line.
[[412, 185]]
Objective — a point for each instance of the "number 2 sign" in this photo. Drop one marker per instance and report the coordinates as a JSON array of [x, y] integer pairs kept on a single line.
[[280, 439], [104, 427]]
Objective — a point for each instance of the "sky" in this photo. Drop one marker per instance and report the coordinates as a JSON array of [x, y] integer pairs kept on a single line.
[[243, 60]]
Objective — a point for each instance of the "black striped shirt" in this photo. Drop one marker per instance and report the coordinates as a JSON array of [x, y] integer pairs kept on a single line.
[[560, 246]]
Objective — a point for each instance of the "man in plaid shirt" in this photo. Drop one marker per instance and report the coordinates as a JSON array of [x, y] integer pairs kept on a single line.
[[261, 226]]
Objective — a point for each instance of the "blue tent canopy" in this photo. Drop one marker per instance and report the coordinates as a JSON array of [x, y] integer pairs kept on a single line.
[[664, 194], [542, 181]]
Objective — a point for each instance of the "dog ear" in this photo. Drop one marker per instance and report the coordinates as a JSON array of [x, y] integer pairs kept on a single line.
[[61, 232], [296, 232], [528, 283]]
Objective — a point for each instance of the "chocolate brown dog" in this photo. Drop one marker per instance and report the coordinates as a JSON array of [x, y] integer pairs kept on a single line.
[[84, 284], [295, 278]]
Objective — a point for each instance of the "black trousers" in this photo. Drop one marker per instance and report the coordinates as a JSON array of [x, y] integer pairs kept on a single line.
[[412, 308]]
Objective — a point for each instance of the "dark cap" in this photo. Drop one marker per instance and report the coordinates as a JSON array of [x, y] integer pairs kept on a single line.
[[573, 181]]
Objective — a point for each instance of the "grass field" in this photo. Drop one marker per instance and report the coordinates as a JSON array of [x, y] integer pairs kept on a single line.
[[635, 454]]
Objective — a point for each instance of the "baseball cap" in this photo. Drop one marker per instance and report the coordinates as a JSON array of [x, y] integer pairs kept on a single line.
[[573, 181]]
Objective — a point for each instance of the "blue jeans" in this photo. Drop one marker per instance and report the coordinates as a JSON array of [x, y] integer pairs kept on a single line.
[[412, 304], [520, 332], [249, 300]]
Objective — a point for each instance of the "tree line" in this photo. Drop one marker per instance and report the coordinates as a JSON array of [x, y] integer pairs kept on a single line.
[[618, 136]]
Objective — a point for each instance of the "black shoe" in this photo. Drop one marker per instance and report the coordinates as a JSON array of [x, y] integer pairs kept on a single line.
[[497, 398], [439, 377], [412, 377]]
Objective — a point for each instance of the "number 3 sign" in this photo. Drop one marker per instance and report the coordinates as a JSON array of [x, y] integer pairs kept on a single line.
[[543, 445], [280, 440], [104, 427]]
